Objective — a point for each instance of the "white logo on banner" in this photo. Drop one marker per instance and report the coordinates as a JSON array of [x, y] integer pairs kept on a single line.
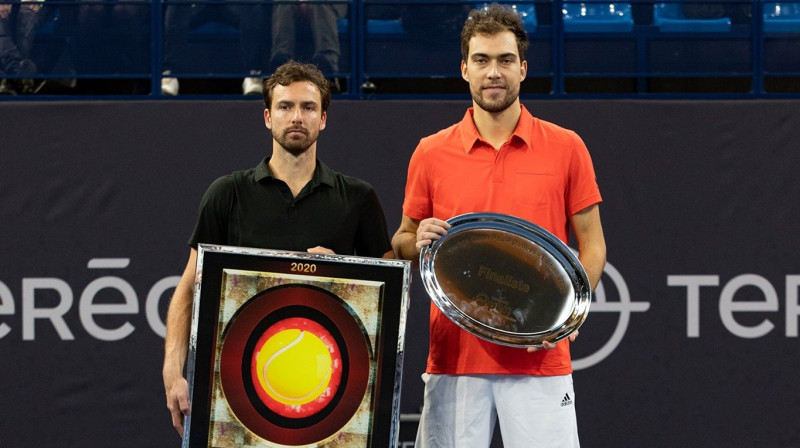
[[760, 296], [624, 306], [89, 307]]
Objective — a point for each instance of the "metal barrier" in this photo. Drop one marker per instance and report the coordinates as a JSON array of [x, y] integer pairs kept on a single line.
[[397, 49]]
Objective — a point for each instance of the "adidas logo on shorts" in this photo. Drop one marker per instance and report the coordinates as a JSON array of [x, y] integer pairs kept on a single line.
[[566, 401]]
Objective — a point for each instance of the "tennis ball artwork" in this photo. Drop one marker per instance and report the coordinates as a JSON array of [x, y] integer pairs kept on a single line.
[[296, 367]]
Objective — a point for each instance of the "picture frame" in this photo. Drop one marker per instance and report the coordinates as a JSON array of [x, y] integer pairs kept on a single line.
[[295, 349]]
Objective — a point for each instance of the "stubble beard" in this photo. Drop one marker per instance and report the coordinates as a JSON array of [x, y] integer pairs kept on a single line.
[[295, 146], [495, 105]]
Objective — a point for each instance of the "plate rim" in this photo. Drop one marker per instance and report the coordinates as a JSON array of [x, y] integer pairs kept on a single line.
[[525, 229]]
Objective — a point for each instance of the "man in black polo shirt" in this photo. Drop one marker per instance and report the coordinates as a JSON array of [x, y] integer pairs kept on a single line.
[[290, 201]]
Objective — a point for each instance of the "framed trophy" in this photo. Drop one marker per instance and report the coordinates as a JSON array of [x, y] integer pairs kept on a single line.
[[295, 349]]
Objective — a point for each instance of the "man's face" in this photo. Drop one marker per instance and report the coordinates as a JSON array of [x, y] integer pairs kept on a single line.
[[295, 116], [494, 71]]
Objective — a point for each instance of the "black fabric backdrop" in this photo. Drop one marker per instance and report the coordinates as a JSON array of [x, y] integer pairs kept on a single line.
[[97, 200]]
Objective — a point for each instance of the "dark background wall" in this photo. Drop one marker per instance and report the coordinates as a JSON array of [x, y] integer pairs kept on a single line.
[[692, 338]]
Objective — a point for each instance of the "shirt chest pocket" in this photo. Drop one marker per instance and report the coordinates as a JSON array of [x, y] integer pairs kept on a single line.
[[537, 189]]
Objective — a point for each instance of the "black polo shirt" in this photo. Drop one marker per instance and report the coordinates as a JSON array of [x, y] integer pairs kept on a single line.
[[251, 208]]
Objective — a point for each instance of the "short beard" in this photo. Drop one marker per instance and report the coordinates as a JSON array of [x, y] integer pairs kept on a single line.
[[295, 147], [495, 106]]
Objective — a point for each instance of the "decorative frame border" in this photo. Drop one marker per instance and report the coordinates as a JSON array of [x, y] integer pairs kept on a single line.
[[237, 289]]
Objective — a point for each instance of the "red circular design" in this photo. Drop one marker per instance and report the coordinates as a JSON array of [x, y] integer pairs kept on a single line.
[[252, 321]]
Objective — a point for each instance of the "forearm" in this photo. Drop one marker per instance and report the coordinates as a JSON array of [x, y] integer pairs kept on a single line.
[[593, 261], [404, 241], [176, 343], [591, 242], [404, 245], [179, 319]]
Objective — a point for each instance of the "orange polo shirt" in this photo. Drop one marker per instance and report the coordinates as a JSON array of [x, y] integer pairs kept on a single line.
[[542, 174]]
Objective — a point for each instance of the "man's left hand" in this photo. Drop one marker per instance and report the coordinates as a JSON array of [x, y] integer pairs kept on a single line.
[[551, 345], [321, 250]]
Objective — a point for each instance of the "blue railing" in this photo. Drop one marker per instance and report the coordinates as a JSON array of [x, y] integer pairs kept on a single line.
[[400, 49]]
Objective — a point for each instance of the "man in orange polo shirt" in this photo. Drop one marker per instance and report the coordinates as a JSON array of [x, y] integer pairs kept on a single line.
[[499, 159]]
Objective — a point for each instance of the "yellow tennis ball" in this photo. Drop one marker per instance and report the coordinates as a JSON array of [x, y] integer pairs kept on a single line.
[[294, 367]]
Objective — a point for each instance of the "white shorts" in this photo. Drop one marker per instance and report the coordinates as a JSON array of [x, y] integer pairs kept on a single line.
[[534, 411]]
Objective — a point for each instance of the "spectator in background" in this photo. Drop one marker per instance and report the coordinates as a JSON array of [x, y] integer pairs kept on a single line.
[[112, 39], [321, 19], [17, 30], [181, 15]]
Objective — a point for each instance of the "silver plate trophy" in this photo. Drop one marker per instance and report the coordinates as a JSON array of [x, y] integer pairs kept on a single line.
[[506, 280]]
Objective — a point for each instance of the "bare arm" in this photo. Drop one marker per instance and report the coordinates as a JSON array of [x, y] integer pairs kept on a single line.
[[413, 235], [591, 252], [405, 239], [176, 344], [591, 242]]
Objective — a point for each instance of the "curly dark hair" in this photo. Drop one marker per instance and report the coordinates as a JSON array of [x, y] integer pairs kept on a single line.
[[491, 20], [292, 72]]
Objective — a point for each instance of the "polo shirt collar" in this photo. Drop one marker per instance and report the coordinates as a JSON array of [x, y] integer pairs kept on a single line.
[[322, 174], [470, 138]]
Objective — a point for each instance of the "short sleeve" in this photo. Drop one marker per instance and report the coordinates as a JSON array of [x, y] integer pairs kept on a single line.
[[417, 203], [582, 187], [213, 216]]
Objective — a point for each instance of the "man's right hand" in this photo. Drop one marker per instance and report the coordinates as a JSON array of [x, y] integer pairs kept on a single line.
[[429, 230], [178, 401], [413, 235]]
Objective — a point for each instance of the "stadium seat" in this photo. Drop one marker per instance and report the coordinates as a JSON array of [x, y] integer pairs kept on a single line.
[[376, 27], [781, 17], [385, 27], [669, 17], [597, 17], [528, 14], [526, 11], [394, 27]]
